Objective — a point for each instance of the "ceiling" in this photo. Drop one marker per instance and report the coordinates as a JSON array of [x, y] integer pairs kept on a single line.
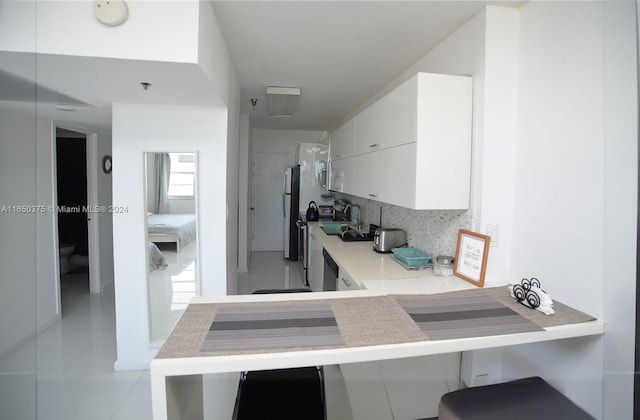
[[340, 53]]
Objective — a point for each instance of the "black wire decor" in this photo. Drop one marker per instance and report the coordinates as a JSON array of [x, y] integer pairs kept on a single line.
[[523, 292]]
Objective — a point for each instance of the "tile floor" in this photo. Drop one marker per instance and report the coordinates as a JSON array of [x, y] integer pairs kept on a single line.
[[68, 368], [269, 270], [171, 289], [66, 373]]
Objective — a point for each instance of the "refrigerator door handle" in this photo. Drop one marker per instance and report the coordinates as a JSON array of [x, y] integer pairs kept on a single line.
[[284, 193], [284, 183]]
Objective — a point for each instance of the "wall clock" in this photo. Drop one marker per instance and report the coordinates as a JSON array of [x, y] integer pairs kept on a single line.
[[106, 164]]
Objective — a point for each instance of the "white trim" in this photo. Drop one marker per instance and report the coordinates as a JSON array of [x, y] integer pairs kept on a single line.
[[93, 218], [54, 215]]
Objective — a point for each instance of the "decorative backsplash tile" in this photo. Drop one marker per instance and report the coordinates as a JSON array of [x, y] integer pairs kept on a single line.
[[433, 231]]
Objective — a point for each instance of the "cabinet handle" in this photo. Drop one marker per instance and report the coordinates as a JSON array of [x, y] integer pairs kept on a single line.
[[373, 146], [346, 282], [339, 156], [373, 195]]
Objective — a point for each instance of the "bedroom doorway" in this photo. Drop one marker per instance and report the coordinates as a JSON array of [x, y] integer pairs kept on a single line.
[[75, 193]]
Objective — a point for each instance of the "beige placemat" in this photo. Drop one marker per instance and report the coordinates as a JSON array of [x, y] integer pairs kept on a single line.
[[564, 314], [363, 321], [451, 317]]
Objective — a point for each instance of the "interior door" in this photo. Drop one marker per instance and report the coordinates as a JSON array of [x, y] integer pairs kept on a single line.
[[268, 217]]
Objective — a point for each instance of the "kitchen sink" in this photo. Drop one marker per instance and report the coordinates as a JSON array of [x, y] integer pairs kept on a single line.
[[352, 235]]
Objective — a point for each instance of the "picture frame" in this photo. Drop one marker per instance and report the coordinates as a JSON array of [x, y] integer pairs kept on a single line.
[[472, 252]]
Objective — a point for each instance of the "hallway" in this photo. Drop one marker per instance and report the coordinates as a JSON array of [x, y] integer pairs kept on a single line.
[[73, 362], [74, 357]]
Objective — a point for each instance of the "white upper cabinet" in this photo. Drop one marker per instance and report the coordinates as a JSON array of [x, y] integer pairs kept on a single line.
[[391, 121], [387, 175], [343, 140], [342, 173], [423, 135]]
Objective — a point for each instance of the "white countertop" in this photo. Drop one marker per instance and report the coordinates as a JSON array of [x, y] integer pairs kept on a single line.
[[179, 366], [380, 272]]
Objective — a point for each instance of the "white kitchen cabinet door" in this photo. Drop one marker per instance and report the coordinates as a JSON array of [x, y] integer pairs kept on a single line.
[[341, 175], [315, 267], [345, 281], [389, 122], [387, 175], [342, 140]]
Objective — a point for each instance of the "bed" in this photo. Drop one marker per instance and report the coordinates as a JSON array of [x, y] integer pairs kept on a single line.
[[178, 228], [157, 261]]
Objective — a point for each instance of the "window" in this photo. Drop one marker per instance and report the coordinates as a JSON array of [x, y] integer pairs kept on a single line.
[[182, 178]]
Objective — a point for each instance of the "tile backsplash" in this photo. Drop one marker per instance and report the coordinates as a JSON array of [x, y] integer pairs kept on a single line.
[[433, 231]]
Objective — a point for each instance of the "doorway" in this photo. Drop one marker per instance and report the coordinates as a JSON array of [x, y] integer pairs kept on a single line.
[[73, 192], [268, 213]]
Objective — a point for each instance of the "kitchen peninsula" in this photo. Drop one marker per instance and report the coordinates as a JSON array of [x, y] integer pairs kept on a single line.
[[373, 325]]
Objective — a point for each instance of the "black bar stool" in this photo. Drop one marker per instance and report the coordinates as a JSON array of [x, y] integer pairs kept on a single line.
[[523, 399], [281, 394]]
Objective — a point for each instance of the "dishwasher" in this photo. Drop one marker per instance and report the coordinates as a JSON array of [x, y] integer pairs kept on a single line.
[[330, 275]]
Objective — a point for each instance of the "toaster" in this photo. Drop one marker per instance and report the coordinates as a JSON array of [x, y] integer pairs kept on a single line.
[[385, 238]]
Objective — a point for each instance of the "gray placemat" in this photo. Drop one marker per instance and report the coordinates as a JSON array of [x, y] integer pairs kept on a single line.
[[269, 327], [563, 315], [362, 321], [451, 317]]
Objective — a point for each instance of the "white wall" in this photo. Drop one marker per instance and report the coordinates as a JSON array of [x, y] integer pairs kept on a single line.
[[621, 204], [215, 63], [47, 264], [232, 176], [213, 56], [152, 128], [154, 30], [243, 196], [18, 259], [211, 132], [22, 130], [105, 220], [576, 199], [18, 137]]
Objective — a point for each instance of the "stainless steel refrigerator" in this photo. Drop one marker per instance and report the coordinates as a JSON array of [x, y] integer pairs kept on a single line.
[[291, 210]]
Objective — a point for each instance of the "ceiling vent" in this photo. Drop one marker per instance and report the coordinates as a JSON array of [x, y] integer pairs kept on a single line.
[[282, 101]]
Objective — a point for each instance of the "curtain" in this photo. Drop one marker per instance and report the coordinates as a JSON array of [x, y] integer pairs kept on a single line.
[[163, 172]]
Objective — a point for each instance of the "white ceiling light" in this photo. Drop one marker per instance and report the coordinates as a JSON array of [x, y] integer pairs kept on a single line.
[[282, 101]]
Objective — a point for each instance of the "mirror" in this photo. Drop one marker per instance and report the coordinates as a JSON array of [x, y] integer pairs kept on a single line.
[[172, 245]]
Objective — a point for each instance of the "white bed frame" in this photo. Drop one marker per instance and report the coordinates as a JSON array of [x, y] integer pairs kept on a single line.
[[165, 238]]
